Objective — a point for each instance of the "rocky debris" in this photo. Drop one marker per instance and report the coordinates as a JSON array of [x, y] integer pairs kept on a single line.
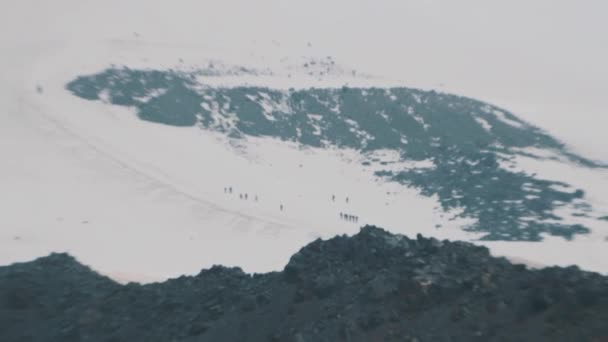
[[373, 286]]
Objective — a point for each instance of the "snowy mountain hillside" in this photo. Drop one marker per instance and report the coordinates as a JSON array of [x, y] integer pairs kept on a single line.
[[468, 146], [213, 163]]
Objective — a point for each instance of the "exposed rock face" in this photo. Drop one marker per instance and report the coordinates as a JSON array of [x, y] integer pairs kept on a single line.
[[373, 286]]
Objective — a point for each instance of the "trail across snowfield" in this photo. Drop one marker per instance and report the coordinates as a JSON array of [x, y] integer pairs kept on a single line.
[[132, 197], [141, 201]]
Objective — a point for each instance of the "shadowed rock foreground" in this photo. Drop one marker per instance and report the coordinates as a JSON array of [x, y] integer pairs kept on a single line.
[[373, 286]]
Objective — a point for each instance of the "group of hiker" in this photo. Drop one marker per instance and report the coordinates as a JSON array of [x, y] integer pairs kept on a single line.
[[333, 198], [246, 197], [343, 216], [243, 196], [349, 217]]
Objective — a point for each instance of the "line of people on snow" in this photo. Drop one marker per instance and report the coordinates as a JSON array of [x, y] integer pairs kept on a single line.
[[343, 216], [245, 196], [333, 198], [349, 217]]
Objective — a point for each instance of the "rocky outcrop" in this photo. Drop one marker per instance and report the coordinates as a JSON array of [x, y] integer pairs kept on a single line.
[[374, 286]]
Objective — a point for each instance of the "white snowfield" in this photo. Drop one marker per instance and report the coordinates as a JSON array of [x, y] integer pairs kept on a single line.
[[144, 202]]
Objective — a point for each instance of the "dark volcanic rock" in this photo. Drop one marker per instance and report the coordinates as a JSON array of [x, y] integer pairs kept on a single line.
[[373, 286]]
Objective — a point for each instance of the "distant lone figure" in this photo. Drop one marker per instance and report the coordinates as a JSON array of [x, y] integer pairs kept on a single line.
[[256, 198], [346, 199], [281, 207], [333, 198]]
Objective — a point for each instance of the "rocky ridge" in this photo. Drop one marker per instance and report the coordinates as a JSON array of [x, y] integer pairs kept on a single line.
[[373, 286]]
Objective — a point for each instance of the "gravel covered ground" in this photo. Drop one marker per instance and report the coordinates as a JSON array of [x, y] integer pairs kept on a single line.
[[374, 286]]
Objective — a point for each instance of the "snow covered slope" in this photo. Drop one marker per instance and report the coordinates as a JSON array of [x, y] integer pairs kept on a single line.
[[146, 199]]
